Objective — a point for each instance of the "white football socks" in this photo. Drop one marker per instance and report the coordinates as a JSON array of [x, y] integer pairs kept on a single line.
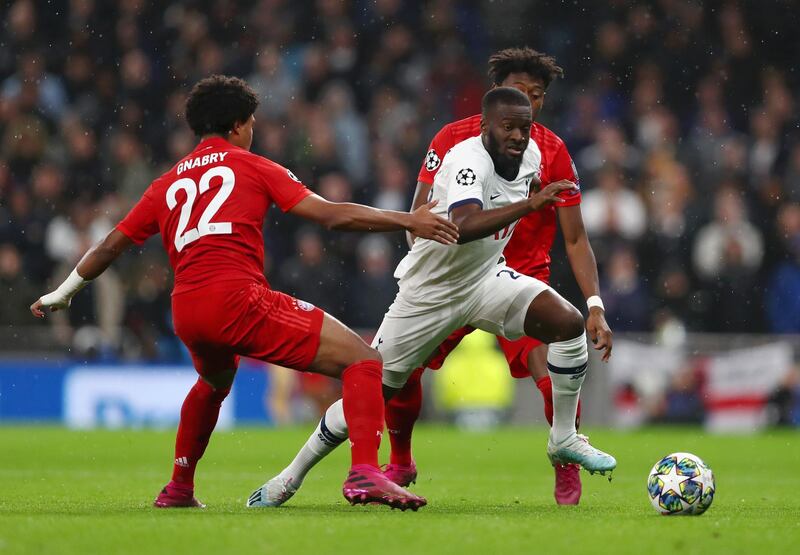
[[566, 363], [329, 434]]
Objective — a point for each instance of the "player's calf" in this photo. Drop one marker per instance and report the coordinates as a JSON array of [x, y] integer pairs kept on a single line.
[[402, 411], [545, 386]]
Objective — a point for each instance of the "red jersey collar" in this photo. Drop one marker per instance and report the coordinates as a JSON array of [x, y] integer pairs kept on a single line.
[[214, 142]]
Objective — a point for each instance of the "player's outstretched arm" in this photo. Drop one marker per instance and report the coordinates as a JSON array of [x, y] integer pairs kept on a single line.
[[349, 216], [475, 223], [584, 267], [93, 263]]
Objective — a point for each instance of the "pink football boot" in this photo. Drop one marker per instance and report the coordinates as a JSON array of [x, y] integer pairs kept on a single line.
[[175, 496], [568, 484], [401, 474], [366, 484]]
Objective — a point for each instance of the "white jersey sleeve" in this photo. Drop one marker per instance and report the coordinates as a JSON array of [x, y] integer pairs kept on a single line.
[[432, 274], [468, 171]]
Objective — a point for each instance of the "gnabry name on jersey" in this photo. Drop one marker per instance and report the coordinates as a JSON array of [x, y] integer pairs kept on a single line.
[[201, 161]]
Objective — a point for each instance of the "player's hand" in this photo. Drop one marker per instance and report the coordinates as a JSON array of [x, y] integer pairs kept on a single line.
[[549, 195], [427, 225], [53, 301], [599, 332]]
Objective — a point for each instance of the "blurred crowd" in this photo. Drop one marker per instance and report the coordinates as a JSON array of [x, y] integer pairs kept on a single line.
[[681, 117]]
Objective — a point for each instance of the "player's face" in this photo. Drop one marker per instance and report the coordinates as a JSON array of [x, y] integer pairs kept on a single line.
[[242, 134], [531, 86], [508, 131]]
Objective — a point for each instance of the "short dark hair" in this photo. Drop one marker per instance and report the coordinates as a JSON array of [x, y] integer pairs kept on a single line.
[[217, 103], [523, 60], [503, 95]]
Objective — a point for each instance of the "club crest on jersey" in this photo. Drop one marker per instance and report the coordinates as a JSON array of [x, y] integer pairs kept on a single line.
[[466, 177], [293, 176], [432, 160], [303, 305]]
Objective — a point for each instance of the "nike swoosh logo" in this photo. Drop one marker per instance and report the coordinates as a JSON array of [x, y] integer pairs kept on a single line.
[[494, 196]]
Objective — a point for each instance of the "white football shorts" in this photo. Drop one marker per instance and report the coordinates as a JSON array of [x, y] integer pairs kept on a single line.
[[409, 333]]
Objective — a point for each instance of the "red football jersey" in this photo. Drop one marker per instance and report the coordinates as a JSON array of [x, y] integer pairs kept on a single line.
[[528, 251], [209, 209]]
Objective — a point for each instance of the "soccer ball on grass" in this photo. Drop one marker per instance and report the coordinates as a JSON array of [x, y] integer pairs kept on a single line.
[[681, 484]]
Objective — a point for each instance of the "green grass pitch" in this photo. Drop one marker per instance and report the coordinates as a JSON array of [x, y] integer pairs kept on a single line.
[[64, 492]]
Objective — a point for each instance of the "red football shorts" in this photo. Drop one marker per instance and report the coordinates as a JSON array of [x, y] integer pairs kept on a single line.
[[516, 352], [221, 322]]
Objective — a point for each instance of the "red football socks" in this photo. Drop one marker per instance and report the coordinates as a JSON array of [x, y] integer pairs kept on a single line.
[[402, 412], [546, 388], [198, 417], [362, 400]]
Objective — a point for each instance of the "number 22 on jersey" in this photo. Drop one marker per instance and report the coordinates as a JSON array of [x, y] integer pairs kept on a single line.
[[205, 226]]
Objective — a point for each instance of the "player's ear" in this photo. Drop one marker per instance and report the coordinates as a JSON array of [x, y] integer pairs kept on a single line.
[[237, 126]]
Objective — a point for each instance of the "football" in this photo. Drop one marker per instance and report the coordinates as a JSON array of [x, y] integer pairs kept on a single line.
[[681, 484]]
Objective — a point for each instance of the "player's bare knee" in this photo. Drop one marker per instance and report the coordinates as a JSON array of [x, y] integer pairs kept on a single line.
[[360, 351], [572, 326], [567, 322], [550, 318], [357, 349], [373, 354]]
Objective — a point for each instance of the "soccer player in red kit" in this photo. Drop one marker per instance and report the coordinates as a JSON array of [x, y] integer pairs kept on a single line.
[[528, 252], [209, 209]]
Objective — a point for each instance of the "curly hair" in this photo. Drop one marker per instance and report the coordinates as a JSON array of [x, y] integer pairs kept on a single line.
[[217, 103], [524, 60]]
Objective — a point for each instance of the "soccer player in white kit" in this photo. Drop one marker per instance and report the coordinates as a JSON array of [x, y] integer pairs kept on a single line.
[[484, 185]]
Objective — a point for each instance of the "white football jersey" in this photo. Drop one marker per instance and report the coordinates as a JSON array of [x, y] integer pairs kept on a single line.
[[432, 273]]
